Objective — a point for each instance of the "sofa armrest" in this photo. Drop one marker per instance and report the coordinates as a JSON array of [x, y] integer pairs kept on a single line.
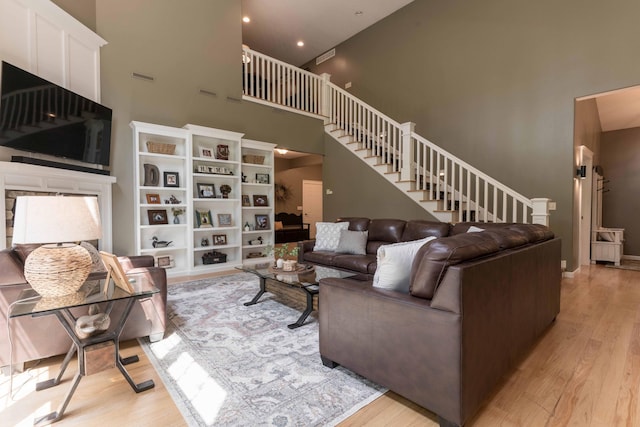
[[11, 268], [305, 246]]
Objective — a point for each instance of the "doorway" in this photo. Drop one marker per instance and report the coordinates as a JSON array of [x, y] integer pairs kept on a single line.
[[311, 204]]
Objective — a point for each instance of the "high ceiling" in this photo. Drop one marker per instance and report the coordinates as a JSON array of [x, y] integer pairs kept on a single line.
[[619, 109], [277, 25]]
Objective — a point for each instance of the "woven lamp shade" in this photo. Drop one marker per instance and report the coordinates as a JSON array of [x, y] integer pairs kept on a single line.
[[57, 268]]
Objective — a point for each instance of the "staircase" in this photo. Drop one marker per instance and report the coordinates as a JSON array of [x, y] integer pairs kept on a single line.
[[445, 186]]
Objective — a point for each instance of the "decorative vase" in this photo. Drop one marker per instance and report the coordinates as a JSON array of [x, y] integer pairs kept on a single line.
[[289, 265], [176, 220], [279, 263]]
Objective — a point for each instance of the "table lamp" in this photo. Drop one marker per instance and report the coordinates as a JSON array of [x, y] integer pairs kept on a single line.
[[60, 266]]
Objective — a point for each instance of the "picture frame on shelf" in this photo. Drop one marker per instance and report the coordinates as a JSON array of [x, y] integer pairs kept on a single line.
[[262, 222], [157, 216], [225, 220], [203, 219], [206, 191], [222, 152], [246, 201], [171, 179], [153, 199], [260, 200], [165, 261], [262, 178], [219, 239], [206, 152]]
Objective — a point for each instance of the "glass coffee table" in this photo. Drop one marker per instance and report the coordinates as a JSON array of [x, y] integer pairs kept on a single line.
[[305, 278]]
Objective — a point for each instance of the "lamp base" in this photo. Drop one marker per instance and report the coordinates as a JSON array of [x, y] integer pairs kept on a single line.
[[57, 270]]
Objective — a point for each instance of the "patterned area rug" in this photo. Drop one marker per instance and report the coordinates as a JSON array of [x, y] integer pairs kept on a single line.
[[230, 365], [626, 264]]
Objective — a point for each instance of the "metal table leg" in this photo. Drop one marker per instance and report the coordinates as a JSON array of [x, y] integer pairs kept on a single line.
[[259, 294]]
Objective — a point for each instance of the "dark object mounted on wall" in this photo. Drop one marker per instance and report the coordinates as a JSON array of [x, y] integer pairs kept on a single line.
[[581, 172], [39, 116]]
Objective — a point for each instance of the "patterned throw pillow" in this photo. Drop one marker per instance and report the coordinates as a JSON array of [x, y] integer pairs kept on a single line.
[[328, 235], [394, 265]]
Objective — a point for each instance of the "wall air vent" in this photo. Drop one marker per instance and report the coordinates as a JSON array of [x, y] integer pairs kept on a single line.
[[327, 55]]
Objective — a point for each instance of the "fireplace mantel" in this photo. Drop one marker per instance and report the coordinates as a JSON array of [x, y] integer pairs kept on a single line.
[[24, 177]]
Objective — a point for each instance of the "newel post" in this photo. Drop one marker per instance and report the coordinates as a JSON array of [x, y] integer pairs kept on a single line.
[[407, 169], [325, 100], [540, 208]]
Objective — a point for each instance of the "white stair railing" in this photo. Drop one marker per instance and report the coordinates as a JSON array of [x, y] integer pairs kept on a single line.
[[442, 177]]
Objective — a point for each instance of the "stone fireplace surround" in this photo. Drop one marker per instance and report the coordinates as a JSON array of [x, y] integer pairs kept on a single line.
[[24, 179]]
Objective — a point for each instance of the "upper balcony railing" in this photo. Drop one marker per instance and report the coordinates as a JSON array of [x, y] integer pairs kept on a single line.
[[443, 177]]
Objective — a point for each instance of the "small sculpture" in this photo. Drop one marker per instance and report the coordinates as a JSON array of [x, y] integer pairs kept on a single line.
[[257, 241], [204, 242], [160, 243], [225, 190], [173, 200]]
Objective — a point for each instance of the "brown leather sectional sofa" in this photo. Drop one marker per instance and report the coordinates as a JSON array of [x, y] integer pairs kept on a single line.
[[477, 303], [40, 337]]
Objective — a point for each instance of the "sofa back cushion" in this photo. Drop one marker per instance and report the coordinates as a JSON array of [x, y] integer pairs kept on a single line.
[[420, 228], [383, 231], [356, 223], [433, 259]]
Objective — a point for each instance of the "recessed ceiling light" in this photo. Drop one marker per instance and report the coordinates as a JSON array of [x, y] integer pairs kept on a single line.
[[246, 19], [359, 13], [300, 43]]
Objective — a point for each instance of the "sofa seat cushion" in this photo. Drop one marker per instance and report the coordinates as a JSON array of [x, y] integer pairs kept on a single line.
[[394, 264], [358, 263], [433, 259], [321, 257]]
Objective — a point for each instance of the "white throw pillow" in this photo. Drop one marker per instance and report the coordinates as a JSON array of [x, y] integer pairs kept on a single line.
[[328, 235], [394, 264], [474, 229]]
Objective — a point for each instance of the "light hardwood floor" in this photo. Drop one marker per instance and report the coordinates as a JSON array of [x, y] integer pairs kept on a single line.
[[585, 371]]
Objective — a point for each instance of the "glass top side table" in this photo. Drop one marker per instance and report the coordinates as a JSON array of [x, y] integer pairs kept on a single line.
[[96, 352]]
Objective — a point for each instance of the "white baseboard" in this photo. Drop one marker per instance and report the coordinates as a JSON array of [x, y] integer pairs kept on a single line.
[[631, 257], [570, 274]]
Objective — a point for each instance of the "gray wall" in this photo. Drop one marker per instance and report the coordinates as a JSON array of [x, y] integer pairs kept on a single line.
[[358, 190], [494, 82], [620, 157], [185, 48]]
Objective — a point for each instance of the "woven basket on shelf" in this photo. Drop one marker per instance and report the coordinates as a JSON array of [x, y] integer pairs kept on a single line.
[[160, 148], [252, 158], [57, 271]]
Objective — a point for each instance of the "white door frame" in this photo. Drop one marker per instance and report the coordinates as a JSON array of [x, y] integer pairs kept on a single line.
[[584, 248], [312, 223]]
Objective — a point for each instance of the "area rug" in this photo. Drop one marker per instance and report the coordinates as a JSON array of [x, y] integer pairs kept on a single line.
[[227, 364], [626, 264]]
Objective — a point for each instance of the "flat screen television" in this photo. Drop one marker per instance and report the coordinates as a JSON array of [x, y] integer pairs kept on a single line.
[[41, 117]]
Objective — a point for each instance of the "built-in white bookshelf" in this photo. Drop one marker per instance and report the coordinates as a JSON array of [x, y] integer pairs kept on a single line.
[[203, 173]]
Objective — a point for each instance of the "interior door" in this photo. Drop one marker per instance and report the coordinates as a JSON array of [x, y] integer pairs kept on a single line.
[[311, 204]]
